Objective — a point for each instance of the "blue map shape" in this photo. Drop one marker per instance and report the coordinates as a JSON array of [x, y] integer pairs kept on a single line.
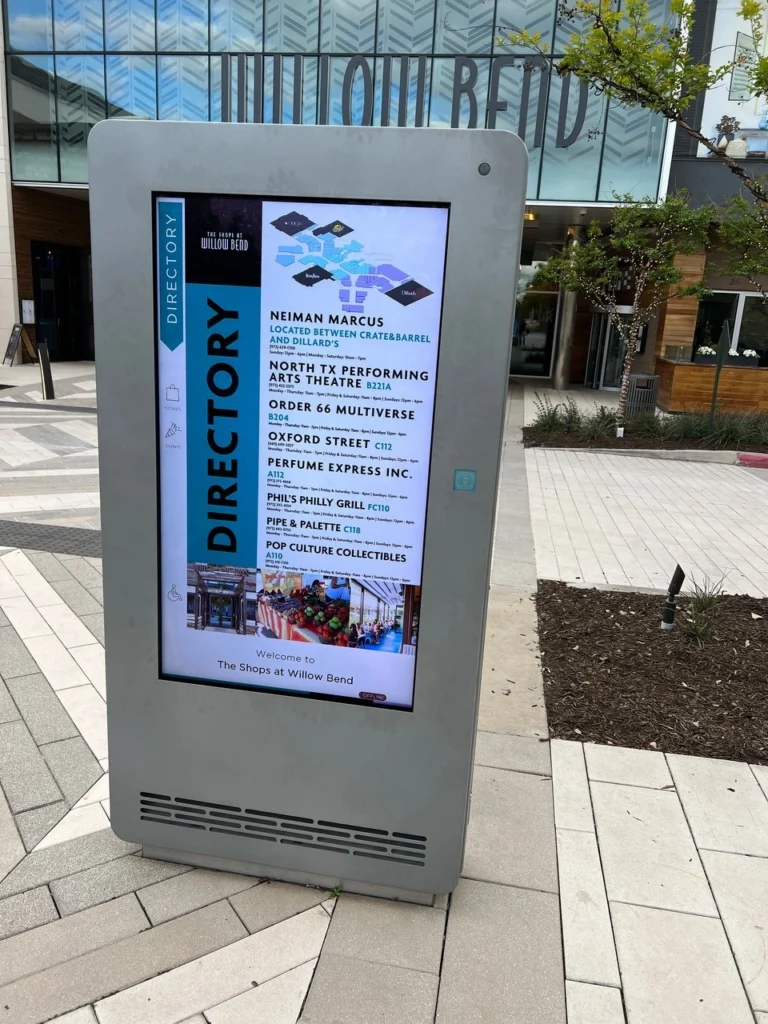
[[345, 260]]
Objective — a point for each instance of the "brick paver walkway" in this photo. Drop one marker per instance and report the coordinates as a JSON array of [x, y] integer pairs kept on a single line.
[[627, 521]]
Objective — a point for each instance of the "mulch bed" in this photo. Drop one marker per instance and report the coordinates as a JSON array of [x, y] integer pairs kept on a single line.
[[534, 438], [612, 676]]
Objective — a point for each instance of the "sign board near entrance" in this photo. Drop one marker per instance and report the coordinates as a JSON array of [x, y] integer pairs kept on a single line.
[[297, 365], [13, 343], [266, 321]]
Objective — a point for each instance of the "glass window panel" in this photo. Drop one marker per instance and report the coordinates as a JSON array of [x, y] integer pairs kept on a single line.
[[78, 24], [132, 87], [464, 26], [237, 25], [182, 25], [445, 72], [30, 24], [80, 104], [753, 332], [533, 336], [714, 310], [348, 26], [292, 26], [130, 24], [33, 113], [523, 88], [183, 88], [528, 15], [406, 26], [571, 157], [634, 146]]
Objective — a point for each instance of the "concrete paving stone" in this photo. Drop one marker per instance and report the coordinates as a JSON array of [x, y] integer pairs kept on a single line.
[[648, 855], [95, 622], [626, 766], [761, 1018], [80, 821], [67, 626], [83, 572], [35, 824], [8, 710], [85, 1015], [91, 660], [270, 902], [11, 846], [74, 766], [49, 565], [197, 1019], [41, 709], [197, 888], [99, 791], [85, 889], [88, 710], [80, 600], [387, 932], [125, 963], [25, 618], [740, 885], [590, 954], [55, 662], [24, 775], [349, 991], [511, 690], [514, 753], [502, 960], [15, 659], [97, 594], [760, 771], [4, 621], [220, 975], [511, 834], [724, 804], [26, 910], [677, 968], [71, 937], [593, 1004], [279, 1001], [64, 859], [573, 805]]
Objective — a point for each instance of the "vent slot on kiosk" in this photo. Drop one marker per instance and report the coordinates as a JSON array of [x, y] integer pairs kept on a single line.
[[271, 827]]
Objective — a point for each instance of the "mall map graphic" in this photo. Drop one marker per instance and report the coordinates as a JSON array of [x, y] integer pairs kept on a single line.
[[317, 248]]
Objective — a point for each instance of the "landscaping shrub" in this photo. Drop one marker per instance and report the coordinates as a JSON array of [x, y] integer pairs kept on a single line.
[[735, 430]]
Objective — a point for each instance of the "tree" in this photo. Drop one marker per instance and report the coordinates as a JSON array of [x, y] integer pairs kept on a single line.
[[620, 50], [640, 247], [742, 241]]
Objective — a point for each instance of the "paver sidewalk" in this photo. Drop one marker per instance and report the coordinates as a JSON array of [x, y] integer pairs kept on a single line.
[[663, 866], [91, 931], [628, 521]]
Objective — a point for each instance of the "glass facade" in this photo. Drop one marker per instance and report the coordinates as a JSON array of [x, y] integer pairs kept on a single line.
[[385, 62]]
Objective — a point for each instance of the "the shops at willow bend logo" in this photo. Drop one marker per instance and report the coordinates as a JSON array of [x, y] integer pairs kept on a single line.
[[328, 253]]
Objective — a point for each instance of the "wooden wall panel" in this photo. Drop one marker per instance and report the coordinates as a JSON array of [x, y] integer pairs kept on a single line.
[[677, 321], [44, 217], [687, 387]]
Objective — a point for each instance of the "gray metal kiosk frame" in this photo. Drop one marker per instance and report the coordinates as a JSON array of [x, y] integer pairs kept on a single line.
[[370, 770]]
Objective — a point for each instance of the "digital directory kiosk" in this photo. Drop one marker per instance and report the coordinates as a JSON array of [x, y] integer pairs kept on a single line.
[[303, 339]]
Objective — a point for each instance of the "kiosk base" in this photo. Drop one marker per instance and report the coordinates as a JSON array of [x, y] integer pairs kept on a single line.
[[241, 867]]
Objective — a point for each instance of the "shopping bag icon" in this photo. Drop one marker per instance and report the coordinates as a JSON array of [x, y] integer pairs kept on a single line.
[[172, 394]]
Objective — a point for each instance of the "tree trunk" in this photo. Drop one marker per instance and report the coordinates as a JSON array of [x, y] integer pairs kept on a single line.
[[629, 355]]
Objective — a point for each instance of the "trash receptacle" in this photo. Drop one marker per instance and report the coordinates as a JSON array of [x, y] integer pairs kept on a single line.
[[643, 392]]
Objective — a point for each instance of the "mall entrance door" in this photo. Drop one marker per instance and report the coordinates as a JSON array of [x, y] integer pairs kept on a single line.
[[63, 306], [606, 355]]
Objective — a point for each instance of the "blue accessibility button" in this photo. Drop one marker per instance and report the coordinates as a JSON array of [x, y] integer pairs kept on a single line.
[[464, 479]]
